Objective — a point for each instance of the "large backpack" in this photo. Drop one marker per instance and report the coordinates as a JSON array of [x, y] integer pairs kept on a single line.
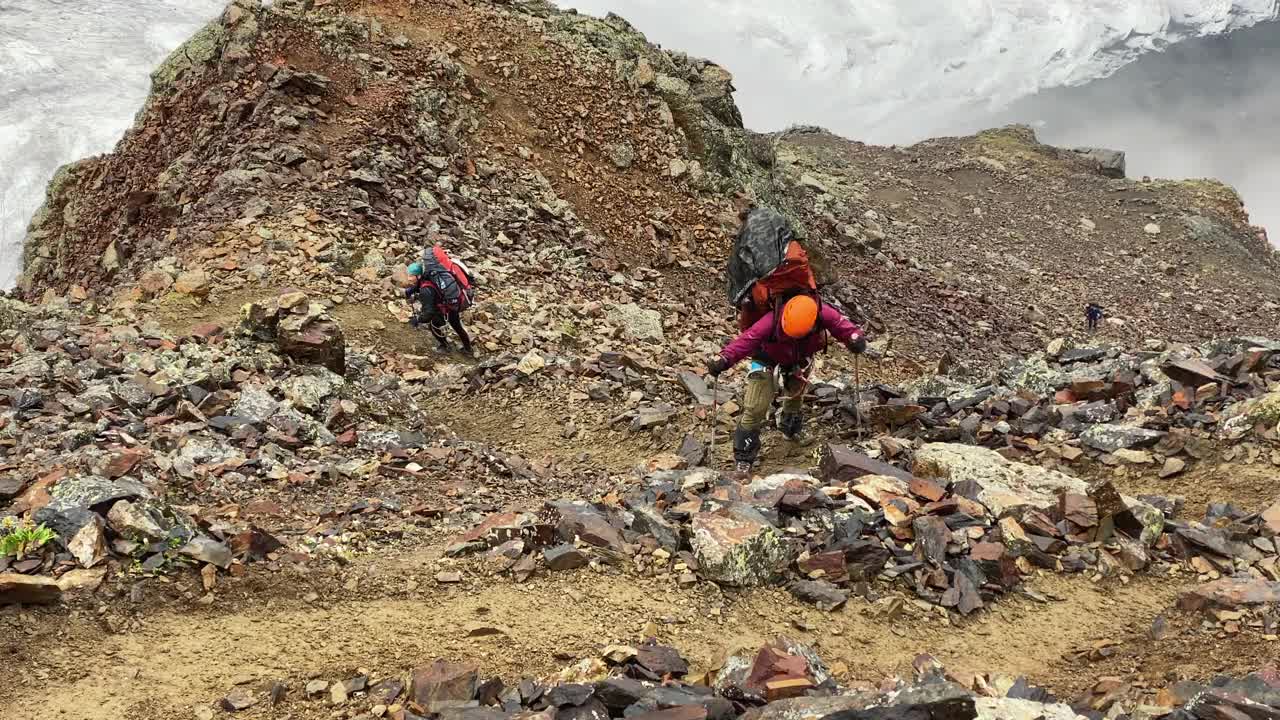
[[455, 289], [768, 266]]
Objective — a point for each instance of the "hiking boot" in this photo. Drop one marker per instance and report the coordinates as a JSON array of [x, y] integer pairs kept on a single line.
[[792, 427], [741, 471], [746, 446]]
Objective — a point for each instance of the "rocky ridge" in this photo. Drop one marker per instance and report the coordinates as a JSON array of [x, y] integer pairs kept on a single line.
[[536, 139]]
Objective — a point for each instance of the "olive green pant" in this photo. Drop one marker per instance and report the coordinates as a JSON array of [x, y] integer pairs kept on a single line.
[[759, 397]]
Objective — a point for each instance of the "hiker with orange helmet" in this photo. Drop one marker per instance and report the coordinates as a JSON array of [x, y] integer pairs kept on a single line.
[[785, 340]]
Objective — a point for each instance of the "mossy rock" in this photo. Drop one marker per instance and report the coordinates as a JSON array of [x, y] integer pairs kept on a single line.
[[197, 52]]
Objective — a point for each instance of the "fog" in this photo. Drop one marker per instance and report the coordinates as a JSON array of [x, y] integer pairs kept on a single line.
[[1177, 85], [1208, 107], [73, 73]]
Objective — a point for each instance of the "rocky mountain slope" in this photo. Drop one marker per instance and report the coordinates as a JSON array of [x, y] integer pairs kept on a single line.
[[213, 402], [513, 131]]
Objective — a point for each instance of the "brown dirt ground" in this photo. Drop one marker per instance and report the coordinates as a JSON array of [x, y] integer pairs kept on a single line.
[[184, 654], [1249, 487]]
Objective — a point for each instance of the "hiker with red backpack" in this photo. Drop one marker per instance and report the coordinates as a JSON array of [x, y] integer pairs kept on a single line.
[[443, 287], [783, 323]]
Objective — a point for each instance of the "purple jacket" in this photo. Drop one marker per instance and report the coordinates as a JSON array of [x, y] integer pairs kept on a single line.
[[761, 341]]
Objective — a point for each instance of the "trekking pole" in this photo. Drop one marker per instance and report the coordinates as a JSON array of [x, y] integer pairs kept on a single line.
[[857, 393], [715, 411]]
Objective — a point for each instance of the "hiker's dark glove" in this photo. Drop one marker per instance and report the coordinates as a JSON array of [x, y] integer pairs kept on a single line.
[[858, 345], [716, 365], [414, 321]]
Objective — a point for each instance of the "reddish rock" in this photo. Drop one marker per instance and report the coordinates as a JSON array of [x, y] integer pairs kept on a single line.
[[123, 463], [1271, 518], [772, 664], [832, 564], [37, 494], [581, 520], [155, 282], [987, 552], [442, 685], [927, 489], [490, 524], [194, 283], [783, 688], [254, 543], [841, 464], [208, 332], [1040, 524], [1080, 510], [894, 415], [1230, 593], [1088, 389], [319, 342]]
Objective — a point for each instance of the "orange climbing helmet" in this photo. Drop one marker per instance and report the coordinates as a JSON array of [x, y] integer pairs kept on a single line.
[[799, 315]]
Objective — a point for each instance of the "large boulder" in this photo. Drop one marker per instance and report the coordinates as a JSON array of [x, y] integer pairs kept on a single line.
[[315, 341], [989, 708], [579, 520], [637, 323], [442, 685], [926, 701], [737, 546], [1112, 437], [1034, 375], [1109, 163], [301, 329], [1230, 593], [1005, 486]]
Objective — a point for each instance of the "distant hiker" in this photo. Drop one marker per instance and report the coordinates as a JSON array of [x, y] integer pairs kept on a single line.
[[443, 287], [1092, 315], [783, 343]]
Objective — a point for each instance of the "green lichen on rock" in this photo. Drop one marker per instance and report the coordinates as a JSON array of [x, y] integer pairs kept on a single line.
[[197, 52], [1034, 375], [1261, 411], [738, 547]]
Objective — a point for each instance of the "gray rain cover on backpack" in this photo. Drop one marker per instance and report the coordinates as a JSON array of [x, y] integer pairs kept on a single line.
[[760, 248]]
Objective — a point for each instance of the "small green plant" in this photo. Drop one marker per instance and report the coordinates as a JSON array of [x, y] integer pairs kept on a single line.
[[21, 539]]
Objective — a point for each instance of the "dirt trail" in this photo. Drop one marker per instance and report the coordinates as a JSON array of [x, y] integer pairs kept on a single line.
[[73, 669]]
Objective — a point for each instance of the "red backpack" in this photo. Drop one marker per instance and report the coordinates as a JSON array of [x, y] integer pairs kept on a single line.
[[456, 288], [792, 277]]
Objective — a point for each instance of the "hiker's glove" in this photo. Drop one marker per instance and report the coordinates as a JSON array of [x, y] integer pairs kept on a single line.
[[858, 345], [716, 365], [414, 321]]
